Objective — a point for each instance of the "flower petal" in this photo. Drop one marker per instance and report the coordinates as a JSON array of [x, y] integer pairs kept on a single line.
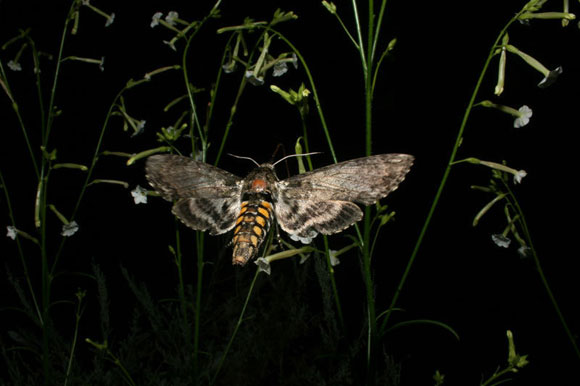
[[501, 240]]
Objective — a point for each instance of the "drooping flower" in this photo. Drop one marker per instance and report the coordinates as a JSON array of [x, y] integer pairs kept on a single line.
[[333, 258], [155, 19], [229, 67], [253, 79], [500, 240], [12, 232], [14, 66], [138, 127], [110, 19], [172, 17], [69, 229], [524, 251], [523, 118], [550, 77], [519, 175], [263, 265], [280, 68], [295, 61]]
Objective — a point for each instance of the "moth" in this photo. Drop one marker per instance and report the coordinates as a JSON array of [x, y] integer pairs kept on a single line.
[[320, 201]]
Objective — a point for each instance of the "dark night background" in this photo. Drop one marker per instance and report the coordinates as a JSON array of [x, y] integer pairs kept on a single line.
[[459, 278]]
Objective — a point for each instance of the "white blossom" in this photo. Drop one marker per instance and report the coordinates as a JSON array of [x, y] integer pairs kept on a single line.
[[14, 66], [155, 19], [333, 259], [519, 175], [524, 251], [69, 229], [12, 232], [171, 17], [501, 240], [295, 60], [110, 20], [263, 265], [280, 69], [253, 79], [304, 240], [523, 118], [139, 195], [550, 77]]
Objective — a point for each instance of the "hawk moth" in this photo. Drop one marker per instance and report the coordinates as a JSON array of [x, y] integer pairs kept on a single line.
[[319, 201]]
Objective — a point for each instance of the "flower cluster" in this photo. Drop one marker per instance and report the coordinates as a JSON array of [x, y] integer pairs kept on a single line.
[[255, 71], [498, 187]]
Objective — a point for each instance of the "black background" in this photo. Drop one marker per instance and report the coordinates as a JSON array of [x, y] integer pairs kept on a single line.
[[460, 277]]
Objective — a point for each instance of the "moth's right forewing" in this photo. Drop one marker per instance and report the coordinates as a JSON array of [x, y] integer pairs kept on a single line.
[[175, 177]]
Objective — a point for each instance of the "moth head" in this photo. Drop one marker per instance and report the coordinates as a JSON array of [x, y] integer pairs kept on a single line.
[[261, 180]]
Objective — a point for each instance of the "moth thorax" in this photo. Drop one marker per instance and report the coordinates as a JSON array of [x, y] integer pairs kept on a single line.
[[251, 227], [259, 185]]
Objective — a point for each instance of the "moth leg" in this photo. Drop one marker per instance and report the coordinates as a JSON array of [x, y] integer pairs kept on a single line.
[[278, 237]]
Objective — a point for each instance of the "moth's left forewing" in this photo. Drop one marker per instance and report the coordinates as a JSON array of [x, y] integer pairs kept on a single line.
[[363, 180]]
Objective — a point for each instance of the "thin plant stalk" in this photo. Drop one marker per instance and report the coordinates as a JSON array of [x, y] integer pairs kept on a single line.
[[238, 324], [447, 171], [199, 240], [194, 117], [314, 92], [21, 251], [80, 295], [543, 278], [333, 284], [230, 121], [367, 63], [19, 116]]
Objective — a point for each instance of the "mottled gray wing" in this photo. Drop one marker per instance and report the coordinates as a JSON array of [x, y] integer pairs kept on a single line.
[[321, 201], [207, 197]]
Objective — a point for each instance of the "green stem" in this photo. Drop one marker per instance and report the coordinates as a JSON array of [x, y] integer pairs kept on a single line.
[[199, 236], [230, 122], [447, 170], [5, 83], [238, 324], [543, 278], [314, 92], [496, 376], [59, 59], [78, 314], [21, 252], [333, 283], [46, 278]]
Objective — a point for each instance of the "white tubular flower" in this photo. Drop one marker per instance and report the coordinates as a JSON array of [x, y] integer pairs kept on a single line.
[[139, 195], [69, 229]]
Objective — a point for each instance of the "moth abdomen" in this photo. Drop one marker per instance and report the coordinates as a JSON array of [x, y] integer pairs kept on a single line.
[[251, 227]]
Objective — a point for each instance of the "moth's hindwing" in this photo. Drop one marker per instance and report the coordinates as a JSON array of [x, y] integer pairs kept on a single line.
[[252, 226], [321, 201], [208, 198]]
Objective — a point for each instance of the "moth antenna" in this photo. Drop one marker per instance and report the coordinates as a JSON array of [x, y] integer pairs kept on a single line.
[[242, 157], [295, 155]]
